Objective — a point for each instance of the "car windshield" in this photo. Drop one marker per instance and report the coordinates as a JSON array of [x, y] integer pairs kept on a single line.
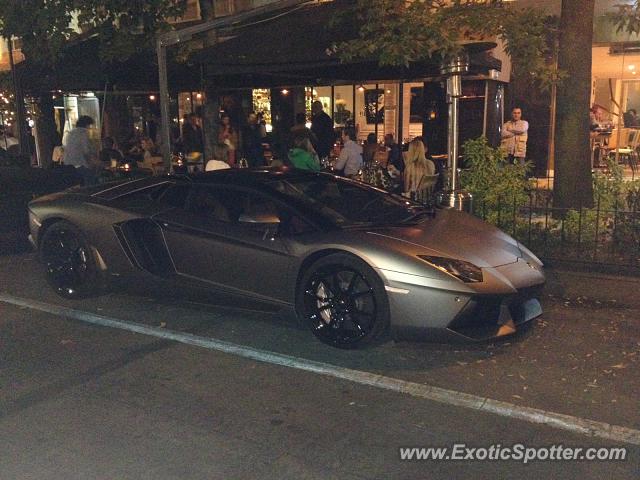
[[347, 204]]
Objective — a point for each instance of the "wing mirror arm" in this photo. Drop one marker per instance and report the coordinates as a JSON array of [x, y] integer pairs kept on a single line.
[[270, 223]]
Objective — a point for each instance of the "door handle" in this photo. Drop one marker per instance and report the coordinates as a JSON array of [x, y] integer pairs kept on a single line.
[[173, 227]]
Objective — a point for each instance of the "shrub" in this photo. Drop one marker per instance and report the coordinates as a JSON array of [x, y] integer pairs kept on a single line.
[[499, 188]]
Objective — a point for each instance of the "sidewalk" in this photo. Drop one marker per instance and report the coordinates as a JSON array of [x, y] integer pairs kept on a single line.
[[598, 289]]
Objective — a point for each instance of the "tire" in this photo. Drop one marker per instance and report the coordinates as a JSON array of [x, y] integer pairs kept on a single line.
[[69, 263], [343, 302]]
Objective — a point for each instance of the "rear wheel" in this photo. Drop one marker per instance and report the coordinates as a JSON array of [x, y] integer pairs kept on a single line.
[[69, 264], [343, 301]]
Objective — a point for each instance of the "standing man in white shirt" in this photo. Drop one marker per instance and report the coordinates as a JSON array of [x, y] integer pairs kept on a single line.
[[80, 151], [350, 158], [514, 137]]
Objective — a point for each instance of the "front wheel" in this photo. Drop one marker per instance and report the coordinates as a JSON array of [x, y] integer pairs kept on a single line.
[[343, 301], [68, 261]]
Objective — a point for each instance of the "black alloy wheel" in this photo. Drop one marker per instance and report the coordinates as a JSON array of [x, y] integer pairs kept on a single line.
[[68, 261], [343, 301]]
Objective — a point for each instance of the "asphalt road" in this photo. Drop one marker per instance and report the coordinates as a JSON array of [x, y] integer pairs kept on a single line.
[[80, 401]]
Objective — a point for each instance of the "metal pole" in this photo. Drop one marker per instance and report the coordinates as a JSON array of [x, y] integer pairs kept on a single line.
[[165, 129], [400, 134], [25, 146], [333, 101], [452, 197], [376, 106], [104, 106], [454, 88], [174, 37]]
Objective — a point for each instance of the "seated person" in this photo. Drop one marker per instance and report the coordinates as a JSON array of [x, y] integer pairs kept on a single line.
[[302, 155], [148, 150], [370, 148], [220, 152], [109, 153]]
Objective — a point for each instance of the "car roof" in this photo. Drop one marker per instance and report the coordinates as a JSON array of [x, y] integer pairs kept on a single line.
[[254, 175], [238, 176]]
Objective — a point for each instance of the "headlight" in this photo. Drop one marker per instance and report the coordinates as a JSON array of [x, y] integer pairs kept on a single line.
[[465, 271]]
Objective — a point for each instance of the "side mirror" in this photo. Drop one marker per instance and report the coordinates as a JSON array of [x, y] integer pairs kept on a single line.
[[258, 219]]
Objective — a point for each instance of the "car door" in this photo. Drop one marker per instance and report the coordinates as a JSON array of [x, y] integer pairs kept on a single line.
[[208, 242]]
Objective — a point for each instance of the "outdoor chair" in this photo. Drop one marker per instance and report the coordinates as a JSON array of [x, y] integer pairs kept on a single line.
[[633, 156], [621, 146], [424, 192]]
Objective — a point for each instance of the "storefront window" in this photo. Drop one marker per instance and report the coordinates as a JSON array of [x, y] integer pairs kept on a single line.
[[391, 112], [323, 95], [342, 105], [262, 103], [413, 111], [190, 102], [77, 105]]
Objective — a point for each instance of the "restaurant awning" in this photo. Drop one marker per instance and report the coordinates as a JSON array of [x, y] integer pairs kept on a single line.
[[294, 48], [80, 68]]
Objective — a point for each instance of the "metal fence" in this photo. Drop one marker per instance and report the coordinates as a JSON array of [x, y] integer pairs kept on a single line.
[[606, 239]]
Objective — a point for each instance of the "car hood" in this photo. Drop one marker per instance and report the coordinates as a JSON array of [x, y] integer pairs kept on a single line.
[[458, 235]]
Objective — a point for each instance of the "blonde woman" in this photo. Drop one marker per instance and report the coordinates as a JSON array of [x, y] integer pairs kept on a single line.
[[417, 165]]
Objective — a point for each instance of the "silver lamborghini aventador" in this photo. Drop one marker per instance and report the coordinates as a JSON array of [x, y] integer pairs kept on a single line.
[[355, 262]]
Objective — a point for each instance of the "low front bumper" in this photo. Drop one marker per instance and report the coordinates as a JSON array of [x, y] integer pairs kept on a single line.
[[433, 312], [485, 317]]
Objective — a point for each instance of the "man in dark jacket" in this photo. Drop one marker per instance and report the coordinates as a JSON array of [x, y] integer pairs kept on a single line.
[[192, 135], [252, 142], [395, 153], [322, 128]]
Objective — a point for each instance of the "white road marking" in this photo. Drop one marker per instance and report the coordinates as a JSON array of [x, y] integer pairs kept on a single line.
[[570, 423]]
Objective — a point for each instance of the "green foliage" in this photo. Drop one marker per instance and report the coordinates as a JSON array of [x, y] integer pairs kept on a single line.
[[626, 18], [631, 195], [499, 188], [123, 26], [580, 226], [503, 196], [397, 32], [44, 26], [612, 224]]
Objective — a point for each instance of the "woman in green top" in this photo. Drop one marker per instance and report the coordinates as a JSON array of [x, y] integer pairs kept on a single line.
[[303, 156]]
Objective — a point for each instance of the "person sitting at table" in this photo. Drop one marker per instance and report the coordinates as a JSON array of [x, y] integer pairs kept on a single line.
[[395, 157], [302, 155], [220, 152], [417, 166], [369, 149], [109, 154], [350, 160]]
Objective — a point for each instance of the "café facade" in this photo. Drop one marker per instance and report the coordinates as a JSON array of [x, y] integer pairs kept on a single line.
[[283, 62]]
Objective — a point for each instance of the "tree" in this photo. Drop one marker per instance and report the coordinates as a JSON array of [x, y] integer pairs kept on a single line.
[[397, 32], [123, 28], [211, 111], [573, 183], [626, 18]]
